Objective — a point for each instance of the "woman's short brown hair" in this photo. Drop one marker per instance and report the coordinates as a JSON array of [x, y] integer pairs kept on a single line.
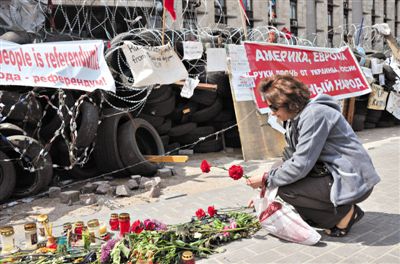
[[285, 91]]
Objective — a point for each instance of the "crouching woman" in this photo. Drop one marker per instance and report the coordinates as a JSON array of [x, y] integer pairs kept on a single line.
[[325, 171]]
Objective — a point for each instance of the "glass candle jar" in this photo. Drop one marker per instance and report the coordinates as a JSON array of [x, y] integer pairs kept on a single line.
[[114, 223], [94, 231], [31, 238], [78, 228], [124, 223], [187, 257], [67, 227], [7, 239], [42, 222]]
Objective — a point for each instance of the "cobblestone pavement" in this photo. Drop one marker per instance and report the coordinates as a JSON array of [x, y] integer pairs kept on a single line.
[[375, 239]]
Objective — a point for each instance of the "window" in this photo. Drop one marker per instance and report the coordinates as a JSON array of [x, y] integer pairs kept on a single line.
[[220, 12], [248, 5], [293, 9]]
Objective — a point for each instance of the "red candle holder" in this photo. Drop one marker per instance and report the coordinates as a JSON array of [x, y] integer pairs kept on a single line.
[[114, 222], [78, 229], [124, 223]]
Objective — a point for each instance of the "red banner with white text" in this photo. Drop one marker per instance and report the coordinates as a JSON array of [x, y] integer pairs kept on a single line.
[[324, 70]]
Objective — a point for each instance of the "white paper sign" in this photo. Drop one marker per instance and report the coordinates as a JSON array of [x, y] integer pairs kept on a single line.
[[153, 65], [376, 67], [71, 64], [368, 74], [242, 87], [239, 67], [192, 50], [393, 104], [216, 59], [238, 59], [189, 86]]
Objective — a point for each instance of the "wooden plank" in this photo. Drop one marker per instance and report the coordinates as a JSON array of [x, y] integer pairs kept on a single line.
[[175, 158], [258, 139], [350, 110], [204, 86]]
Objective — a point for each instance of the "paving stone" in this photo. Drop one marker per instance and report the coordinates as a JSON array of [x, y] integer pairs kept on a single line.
[[69, 196], [132, 184], [103, 188], [155, 191], [164, 172], [54, 192], [122, 191], [89, 188], [88, 199]]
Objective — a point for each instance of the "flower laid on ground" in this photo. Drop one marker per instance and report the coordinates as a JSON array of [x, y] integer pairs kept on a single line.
[[200, 214], [235, 171], [205, 166], [137, 227], [149, 225], [106, 250], [211, 211]]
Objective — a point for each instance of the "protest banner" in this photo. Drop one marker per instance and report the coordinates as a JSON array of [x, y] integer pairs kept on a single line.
[[73, 65], [324, 70], [153, 65]]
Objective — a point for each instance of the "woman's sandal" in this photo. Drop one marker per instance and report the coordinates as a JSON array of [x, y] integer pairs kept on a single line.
[[341, 232]]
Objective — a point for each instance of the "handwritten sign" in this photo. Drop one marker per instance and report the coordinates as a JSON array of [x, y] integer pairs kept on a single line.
[[153, 65], [73, 65], [242, 84], [330, 71], [192, 50], [377, 98]]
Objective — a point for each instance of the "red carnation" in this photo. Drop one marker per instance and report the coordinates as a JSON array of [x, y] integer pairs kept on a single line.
[[137, 227], [235, 172], [149, 225], [205, 166], [200, 214], [211, 211]]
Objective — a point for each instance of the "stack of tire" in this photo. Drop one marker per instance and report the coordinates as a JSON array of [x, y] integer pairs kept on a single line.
[[365, 118], [181, 122], [26, 168]]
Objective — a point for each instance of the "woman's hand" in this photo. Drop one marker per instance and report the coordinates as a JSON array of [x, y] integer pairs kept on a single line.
[[255, 181]]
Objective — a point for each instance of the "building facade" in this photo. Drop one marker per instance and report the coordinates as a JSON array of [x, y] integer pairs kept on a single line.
[[325, 22]]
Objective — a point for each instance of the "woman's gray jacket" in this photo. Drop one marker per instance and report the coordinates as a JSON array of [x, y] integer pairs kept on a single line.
[[320, 133]]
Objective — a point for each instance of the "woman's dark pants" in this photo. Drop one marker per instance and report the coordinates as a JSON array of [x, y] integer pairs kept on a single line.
[[311, 198]]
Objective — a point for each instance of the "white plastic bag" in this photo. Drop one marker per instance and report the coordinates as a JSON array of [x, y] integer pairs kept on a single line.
[[281, 220]]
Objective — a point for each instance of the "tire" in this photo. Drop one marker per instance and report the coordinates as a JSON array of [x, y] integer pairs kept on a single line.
[[204, 97], [163, 108], [194, 135], [87, 124], [207, 113], [232, 138], [224, 116], [8, 129], [373, 116], [160, 94], [27, 182], [165, 127], [86, 171], [358, 122], [20, 37], [213, 145], [171, 149], [221, 80], [106, 151], [7, 177], [135, 139], [183, 112], [28, 109], [182, 129], [155, 121], [51, 121]]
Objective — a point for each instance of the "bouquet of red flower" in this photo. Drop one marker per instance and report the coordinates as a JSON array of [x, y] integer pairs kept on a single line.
[[235, 171]]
